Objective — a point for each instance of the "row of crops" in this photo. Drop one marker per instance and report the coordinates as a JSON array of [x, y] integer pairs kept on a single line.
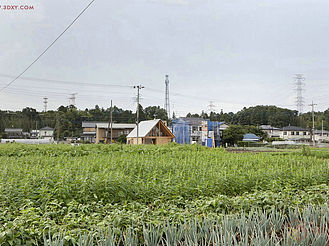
[[90, 192], [309, 227]]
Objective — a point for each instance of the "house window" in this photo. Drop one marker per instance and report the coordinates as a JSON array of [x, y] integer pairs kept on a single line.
[[284, 133], [297, 133], [304, 133], [292, 133]]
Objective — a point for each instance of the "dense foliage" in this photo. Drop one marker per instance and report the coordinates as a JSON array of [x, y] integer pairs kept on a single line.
[[68, 119], [268, 115], [234, 134], [82, 188]]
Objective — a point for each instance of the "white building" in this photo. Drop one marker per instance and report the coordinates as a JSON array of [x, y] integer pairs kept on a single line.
[[272, 132], [295, 133], [321, 135], [35, 134], [46, 133]]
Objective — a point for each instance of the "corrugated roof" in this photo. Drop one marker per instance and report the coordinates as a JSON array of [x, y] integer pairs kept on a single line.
[[91, 124], [144, 128], [250, 136], [116, 125]]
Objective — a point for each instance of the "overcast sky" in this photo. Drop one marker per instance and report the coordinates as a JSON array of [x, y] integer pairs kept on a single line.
[[235, 53]]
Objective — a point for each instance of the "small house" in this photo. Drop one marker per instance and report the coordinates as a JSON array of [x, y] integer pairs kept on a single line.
[[14, 133], [295, 133], [103, 131], [89, 130], [46, 133], [151, 132]]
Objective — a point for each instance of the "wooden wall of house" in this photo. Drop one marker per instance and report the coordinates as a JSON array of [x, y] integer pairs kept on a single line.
[[163, 140]]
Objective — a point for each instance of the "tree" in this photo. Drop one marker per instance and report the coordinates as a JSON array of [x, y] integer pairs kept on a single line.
[[233, 134], [122, 139]]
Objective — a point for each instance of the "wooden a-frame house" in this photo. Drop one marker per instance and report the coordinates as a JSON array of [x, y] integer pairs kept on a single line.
[[151, 132]]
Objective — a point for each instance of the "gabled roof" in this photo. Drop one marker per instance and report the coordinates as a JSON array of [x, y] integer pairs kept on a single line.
[[116, 125], [292, 128], [250, 137], [145, 127]]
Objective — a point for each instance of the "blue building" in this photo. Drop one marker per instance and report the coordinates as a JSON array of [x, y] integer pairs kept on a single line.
[[189, 130]]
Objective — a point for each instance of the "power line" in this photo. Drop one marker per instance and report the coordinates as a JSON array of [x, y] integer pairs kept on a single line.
[[66, 81], [35, 60]]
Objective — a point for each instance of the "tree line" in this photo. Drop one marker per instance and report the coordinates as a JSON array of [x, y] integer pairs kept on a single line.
[[68, 119], [268, 115]]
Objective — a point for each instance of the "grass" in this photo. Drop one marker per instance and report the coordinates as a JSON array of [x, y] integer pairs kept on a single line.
[[78, 189]]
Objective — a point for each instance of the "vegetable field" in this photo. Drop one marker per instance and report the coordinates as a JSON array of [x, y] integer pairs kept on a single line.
[[81, 194]]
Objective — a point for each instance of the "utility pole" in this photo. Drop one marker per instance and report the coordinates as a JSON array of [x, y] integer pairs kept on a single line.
[[57, 126], [111, 116], [322, 131], [138, 87], [313, 121], [110, 126]]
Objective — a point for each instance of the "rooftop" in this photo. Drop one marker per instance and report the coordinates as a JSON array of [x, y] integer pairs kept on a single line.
[[144, 128], [13, 129], [116, 125], [91, 124], [47, 128], [268, 127], [192, 120], [250, 137], [292, 128]]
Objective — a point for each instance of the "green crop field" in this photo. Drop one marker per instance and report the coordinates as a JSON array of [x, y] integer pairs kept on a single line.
[[129, 195]]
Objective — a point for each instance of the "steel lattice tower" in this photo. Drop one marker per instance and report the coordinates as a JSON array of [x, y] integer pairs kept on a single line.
[[299, 78], [167, 104], [72, 99], [45, 102]]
